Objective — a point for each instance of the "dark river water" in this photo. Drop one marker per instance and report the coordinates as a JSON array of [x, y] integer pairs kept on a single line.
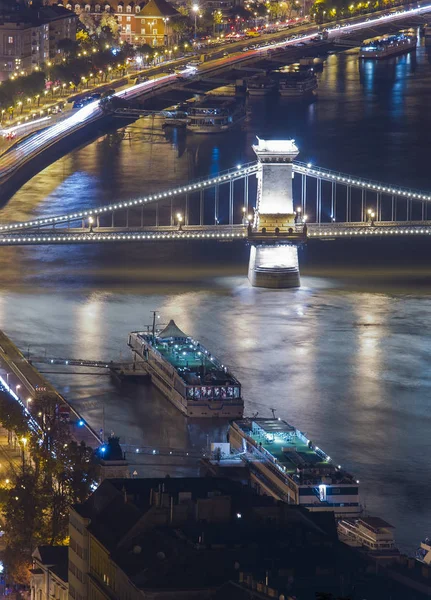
[[346, 358]]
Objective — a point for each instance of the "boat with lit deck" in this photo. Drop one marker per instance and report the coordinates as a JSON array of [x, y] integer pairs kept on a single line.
[[285, 464], [190, 376], [388, 46]]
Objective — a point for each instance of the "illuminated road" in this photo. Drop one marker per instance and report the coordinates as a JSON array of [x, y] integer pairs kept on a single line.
[[82, 117], [43, 140]]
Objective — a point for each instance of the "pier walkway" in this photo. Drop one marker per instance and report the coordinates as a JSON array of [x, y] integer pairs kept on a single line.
[[26, 383]]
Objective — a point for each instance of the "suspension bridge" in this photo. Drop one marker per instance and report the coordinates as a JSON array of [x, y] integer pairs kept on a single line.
[[274, 202]]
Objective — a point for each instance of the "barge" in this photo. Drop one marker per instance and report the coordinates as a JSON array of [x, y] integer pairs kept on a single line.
[[285, 464], [296, 84], [215, 115], [187, 373]]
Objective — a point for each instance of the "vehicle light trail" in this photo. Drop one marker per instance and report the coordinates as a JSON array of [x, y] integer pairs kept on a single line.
[[40, 141]]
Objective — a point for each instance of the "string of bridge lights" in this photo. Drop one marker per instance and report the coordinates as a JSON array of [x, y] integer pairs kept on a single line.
[[238, 172], [117, 237], [224, 177]]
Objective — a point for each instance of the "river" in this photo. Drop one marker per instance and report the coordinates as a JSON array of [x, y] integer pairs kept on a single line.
[[345, 358]]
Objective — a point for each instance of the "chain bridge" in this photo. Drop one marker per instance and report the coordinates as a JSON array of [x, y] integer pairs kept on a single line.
[[274, 204]]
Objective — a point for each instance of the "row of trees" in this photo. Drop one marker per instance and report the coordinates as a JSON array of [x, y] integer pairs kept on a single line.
[[60, 472], [331, 10]]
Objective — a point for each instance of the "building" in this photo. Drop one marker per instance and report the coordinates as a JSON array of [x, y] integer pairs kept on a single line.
[[111, 461], [29, 37], [187, 537], [48, 577], [139, 22]]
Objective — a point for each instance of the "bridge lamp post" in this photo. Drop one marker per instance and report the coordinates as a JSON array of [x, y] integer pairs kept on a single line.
[[28, 401], [180, 221], [17, 388], [90, 223], [370, 214]]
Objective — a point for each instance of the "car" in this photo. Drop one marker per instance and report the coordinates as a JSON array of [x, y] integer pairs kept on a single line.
[[225, 53], [95, 96]]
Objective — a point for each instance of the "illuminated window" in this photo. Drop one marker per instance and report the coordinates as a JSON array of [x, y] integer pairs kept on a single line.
[[154, 31], [120, 9], [137, 9], [10, 39], [129, 9]]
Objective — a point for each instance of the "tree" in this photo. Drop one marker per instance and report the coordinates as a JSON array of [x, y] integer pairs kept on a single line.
[[108, 28], [88, 22], [83, 38], [68, 46]]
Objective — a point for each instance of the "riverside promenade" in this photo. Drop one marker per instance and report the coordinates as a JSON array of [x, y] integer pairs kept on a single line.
[[26, 383]]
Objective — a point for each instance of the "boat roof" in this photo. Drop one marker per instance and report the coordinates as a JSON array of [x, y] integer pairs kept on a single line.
[[172, 331], [375, 523]]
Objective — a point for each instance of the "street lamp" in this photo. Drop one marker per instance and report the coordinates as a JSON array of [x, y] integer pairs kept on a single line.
[[24, 443], [28, 401], [17, 388], [165, 20], [195, 10]]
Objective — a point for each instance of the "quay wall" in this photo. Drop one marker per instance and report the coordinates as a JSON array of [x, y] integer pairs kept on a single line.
[[26, 382]]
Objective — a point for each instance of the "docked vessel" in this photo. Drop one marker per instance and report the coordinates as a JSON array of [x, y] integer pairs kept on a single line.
[[261, 86], [296, 84], [192, 379], [388, 46], [177, 116], [371, 533], [423, 553], [285, 464], [215, 114]]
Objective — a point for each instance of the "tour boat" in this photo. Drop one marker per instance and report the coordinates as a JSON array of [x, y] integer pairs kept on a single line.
[[285, 464], [215, 114], [261, 86], [423, 554], [190, 376], [388, 46], [296, 84]]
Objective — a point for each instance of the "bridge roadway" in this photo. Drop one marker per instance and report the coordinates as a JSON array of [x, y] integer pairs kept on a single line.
[[234, 174], [25, 382], [45, 139], [220, 233]]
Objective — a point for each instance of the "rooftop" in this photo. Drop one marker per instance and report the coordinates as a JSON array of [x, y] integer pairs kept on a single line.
[[158, 8], [35, 16]]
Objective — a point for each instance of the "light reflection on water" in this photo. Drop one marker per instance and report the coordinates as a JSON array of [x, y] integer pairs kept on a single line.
[[345, 359]]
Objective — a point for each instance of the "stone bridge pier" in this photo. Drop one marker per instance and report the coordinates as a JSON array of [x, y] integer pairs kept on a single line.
[[274, 253]]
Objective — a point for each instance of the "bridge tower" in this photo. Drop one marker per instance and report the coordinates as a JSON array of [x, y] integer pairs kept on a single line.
[[273, 256]]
